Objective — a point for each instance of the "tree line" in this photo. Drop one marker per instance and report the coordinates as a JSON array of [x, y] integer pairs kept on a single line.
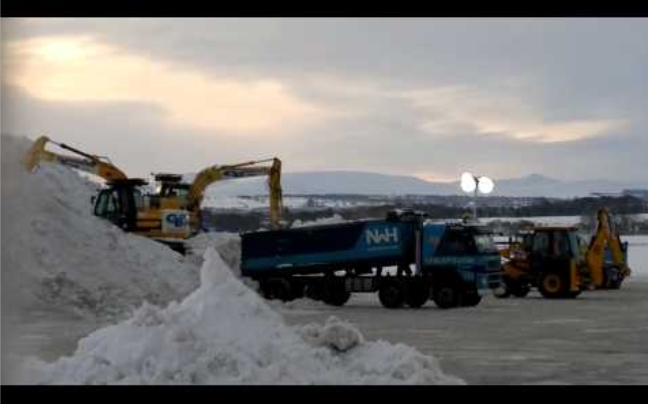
[[625, 210]]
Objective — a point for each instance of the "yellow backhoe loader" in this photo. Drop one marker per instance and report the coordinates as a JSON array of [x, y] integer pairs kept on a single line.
[[554, 260], [169, 215]]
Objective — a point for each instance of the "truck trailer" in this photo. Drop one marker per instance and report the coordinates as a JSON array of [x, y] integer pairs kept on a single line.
[[454, 264]]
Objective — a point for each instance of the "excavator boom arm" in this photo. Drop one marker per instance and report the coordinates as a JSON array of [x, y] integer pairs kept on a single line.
[[89, 163], [213, 174]]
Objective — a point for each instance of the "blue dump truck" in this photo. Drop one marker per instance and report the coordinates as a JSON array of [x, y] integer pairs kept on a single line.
[[454, 264]]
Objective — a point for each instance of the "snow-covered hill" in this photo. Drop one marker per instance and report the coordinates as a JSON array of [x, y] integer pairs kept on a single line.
[[539, 185]]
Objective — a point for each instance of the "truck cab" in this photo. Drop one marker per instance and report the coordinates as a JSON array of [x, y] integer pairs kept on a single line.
[[463, 260]]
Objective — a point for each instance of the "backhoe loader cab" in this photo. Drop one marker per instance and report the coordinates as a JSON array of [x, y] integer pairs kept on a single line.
[[547, 258]]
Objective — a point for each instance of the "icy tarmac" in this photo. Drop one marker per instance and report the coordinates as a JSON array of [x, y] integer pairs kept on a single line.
[[600, 337]]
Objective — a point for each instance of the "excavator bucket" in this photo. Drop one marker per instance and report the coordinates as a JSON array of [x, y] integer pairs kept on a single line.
[[36, 153]]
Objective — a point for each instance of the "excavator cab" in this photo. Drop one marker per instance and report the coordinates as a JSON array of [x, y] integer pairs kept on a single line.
[[120, 202], [171, 185], [127, 205]]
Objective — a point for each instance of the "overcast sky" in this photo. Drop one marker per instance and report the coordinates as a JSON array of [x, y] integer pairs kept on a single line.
[[567, 98]]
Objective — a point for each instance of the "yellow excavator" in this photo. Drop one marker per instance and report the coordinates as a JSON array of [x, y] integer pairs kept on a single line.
[[169, 215], [557, 261]]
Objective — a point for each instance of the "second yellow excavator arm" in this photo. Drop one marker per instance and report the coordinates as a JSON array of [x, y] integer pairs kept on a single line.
[[88, 163], [216, 173]]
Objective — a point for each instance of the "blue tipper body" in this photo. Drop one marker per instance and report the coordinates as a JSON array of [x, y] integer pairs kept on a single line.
[[376, 241]]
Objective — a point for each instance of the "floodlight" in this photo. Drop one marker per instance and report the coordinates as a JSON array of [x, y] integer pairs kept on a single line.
[[485, 185], [468, 183]]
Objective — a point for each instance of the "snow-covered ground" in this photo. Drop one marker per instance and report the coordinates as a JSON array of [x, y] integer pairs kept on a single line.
[[538, 220], [248, 203], [293, 202], [637, 255], [550, 220]]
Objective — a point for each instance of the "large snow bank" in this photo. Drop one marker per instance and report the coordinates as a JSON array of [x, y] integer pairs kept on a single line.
[[224, 333], [57, 256]]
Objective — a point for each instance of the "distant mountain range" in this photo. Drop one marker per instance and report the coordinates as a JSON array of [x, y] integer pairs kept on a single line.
[[366, 183]]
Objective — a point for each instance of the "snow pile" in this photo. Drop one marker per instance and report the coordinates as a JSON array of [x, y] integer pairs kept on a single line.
[[217, 201], [227, 244], [56, 255], [303, 303], [336, 218], [224, 333], [233, 202], [335, 334]]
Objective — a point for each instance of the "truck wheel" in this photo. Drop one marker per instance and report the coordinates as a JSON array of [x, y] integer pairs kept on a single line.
[[277, 289], [446, 296], [614, 278], [552, 285], [520, 290], [314, 291], [418, 294], [471, 299], [617, 283], [391, 294], [502, 292], [336, 295]]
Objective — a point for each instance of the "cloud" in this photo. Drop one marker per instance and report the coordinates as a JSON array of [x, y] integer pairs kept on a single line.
[[446, 111], [464, 109], [502, 97], [79, 69]]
